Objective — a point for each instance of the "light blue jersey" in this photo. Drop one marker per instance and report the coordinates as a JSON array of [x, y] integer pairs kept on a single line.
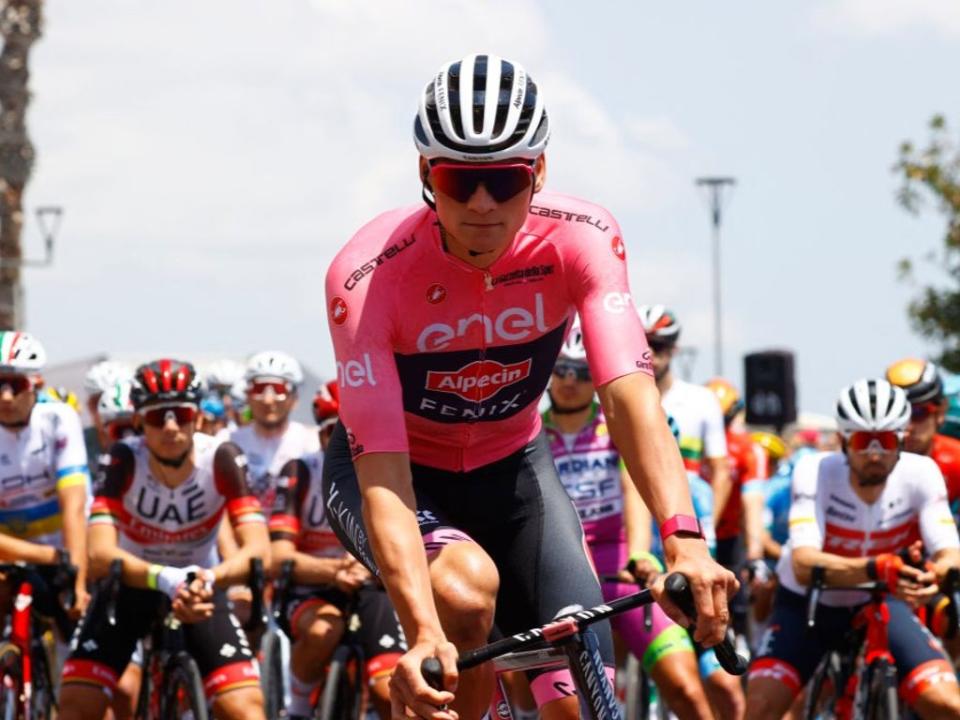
[[702, 495]]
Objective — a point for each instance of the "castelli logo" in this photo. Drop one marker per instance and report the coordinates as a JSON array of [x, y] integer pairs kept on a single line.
[[618, 248], [480, 380], [338, 310], [436, 294]]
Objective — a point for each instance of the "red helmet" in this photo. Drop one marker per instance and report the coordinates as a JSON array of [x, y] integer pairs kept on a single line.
[[165, 381], [326, 403]]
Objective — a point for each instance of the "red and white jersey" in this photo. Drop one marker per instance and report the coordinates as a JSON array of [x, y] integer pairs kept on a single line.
[[448, 361], [299, 512], [697, 413], [175, 525], [826, 514], [266, 456]]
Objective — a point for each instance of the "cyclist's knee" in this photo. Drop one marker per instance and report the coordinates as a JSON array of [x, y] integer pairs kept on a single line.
[[82, 702], [321, 631], [240, 704], [678, 681], [767, 699], [465, 583], [939, 701], [726, 695]]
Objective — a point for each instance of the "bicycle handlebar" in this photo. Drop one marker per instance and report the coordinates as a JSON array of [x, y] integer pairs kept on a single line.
[[677, 587], [647, 609], [64, 576]]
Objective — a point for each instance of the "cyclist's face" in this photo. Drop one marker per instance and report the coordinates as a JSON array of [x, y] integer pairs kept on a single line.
[[481, 224], [270, 409], [872, 466], [171, 440], [17, 398], [662, 355], [567, 391], [923, 426]]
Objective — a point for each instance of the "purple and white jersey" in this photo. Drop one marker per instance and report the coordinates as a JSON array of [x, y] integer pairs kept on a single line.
[[589, 468]]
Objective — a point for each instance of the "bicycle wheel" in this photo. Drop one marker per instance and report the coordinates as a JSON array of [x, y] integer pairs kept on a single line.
[[11, 675], [182, 693], [636, 704], [878, 702], [271, 676], [43, 698], [342, 697]]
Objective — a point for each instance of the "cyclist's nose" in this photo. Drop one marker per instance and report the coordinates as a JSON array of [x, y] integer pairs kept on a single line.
[[481, 201]]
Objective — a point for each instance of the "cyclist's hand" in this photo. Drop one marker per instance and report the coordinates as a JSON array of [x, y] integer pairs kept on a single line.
[[712, 586], [409, 692], [916, 587], [81, 598], [351, 576]]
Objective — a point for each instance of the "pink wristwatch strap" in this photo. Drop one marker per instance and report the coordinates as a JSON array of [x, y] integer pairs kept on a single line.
[[686, 524]]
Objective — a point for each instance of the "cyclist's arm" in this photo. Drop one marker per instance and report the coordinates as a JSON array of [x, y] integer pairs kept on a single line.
[[944, 560], [103, 548], [839, 570], [73, 512], [389, 512], [246, 517], [753, 505], [14, 549], [636, 517], [771, 548]]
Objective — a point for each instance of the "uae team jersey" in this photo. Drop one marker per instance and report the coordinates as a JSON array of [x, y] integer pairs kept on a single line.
[[698, 415], [447, 361], [299, 513], [175, 525], [827, 515], [266, 456], [35, 462]]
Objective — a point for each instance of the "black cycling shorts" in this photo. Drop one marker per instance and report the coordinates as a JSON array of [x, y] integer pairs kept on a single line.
[[379, 633], [790, 653], [516, 509], [99, 651]]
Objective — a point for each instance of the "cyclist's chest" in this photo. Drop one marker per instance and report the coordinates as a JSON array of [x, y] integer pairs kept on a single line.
[[853, 528], [195, 502], [26, 468]]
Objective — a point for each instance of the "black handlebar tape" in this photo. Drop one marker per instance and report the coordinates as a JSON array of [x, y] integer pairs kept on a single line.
[[678, 588], [432, 672]]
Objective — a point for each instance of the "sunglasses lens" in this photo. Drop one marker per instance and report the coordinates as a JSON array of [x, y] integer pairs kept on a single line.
[[16, 383], [580, 372], [259, 389], [460, 182], [922, 412], [159, 416], [873, 442]]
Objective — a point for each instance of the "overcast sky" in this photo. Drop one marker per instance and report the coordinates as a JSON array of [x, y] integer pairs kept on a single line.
[[212, 156]]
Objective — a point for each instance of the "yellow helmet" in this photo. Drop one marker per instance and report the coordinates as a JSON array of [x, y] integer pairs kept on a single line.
[[730, 402], [920, 379], [774, 445]]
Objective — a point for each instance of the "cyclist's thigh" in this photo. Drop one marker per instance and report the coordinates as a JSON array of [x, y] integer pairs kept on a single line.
[[221, 650], [310, 605], [788, 653], [921, 663], [100, 651], [380, 634]]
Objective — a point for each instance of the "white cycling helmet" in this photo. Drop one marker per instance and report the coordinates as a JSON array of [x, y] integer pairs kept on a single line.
[[873, 406], [115, 403], [21, 352], [222, 374], [481, 108], [104, 375], [572, 348], [273, 364], [659, 323]]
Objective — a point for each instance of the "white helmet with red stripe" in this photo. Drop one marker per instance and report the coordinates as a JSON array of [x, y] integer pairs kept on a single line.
[[659, 323], [21, 352]]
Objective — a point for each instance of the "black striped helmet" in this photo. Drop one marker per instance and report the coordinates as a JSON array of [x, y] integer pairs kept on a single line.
[[482, 109], [873, 406]]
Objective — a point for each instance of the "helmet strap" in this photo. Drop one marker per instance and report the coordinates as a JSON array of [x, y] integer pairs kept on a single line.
[[427, 194]]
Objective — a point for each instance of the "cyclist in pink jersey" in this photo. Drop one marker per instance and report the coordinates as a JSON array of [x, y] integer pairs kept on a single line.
[[446, 321], [589, 466]]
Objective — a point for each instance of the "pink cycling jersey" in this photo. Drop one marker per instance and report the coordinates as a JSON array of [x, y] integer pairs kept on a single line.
[[447, 361]]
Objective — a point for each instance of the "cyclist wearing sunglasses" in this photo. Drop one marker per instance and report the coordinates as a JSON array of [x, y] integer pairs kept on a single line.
[[852, 512], [159, 511], [617, 533], [921, 381], [46, 479], [272, 439], [446, 321]]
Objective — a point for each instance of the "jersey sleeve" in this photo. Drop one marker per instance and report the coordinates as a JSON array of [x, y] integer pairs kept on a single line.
[[107, 508], [292, 483], [230, 479], [714, 432], [595, 263], [71, 450], [360, 318], [937, 527], [755, 470], [806, 523]]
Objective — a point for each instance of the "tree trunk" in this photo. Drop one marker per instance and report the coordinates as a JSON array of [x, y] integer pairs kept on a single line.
[[20, 25]]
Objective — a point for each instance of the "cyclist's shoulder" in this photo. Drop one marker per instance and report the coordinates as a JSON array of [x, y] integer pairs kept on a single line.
[[571, 212], [946, 453], [56, 415], [389, 234], [691, 395]]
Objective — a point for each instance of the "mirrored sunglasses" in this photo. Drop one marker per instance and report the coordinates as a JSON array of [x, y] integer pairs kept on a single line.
[[16, 383], [259, 389], [923, 410], [863, 442], [160, 415], [502, 180], [570, 370]]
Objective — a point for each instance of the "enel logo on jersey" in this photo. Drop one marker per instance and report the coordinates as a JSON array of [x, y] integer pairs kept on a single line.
[[510, 325], [480, 380]]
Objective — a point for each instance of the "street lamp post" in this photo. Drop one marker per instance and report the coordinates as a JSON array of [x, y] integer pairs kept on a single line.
[[714, 187]]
